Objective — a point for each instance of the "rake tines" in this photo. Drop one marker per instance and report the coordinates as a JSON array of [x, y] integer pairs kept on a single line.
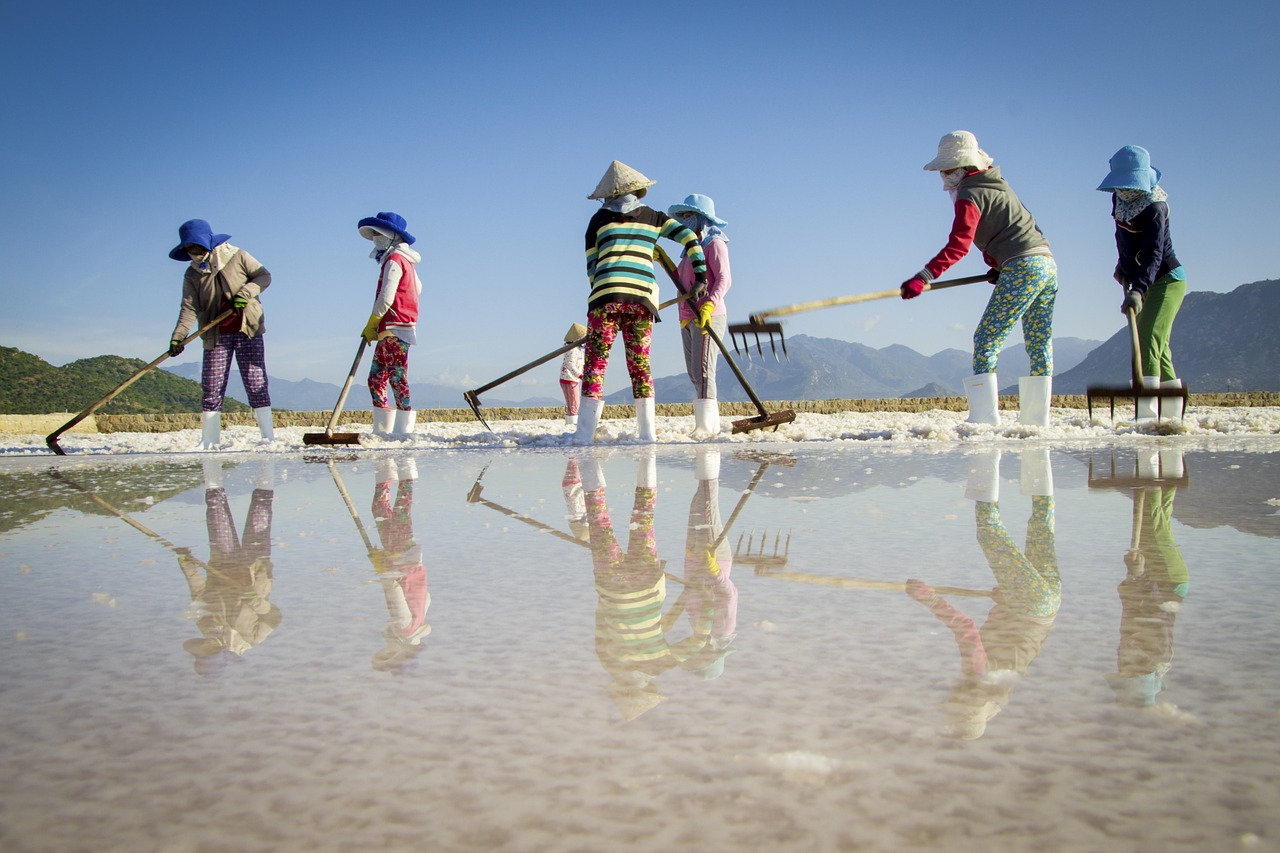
[[764, 563], [757, 326]]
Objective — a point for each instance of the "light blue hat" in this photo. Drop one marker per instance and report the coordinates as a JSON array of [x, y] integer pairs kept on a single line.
[[1131, 169], [699, 204]]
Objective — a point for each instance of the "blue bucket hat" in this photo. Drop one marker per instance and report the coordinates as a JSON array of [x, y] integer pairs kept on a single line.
[[196, 232], [1131, 169], [699, 204], [386, 221]]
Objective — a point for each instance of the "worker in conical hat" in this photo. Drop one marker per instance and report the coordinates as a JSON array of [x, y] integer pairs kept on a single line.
[[571, 372], [624, 292]]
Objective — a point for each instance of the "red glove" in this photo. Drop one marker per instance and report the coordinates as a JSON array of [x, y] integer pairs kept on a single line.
[[919, 590], [913, 288]]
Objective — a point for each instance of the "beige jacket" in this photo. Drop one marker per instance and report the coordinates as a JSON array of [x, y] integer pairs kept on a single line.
[[232, 271]]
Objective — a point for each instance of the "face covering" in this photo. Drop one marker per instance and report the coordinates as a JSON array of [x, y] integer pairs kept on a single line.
[[199, 262], [381, 245]]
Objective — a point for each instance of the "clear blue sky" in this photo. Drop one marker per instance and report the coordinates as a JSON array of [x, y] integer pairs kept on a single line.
[[486, 125]]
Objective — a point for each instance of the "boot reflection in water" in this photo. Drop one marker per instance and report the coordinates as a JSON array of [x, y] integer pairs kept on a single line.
[[1151, 595], [631, 589], [1027, 596], [575, 503], [710, 598], [233, 591], [400, 567]]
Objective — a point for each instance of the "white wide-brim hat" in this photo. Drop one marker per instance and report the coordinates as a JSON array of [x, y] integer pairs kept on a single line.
[[620, 179], [957, 149]]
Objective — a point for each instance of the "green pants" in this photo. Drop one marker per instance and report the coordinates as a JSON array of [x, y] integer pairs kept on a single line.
[[1159, 306]]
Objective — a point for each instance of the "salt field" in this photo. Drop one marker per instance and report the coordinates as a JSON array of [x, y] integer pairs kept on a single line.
[[814, 645]]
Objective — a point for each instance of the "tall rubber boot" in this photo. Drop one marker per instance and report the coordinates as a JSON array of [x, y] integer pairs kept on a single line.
[[647, 470], [403, 424], [706, 464], [1171, 467], [266, 477], [984, 399], [571, 420], [383, 421], [589, 412], [211, 469], [1036, 474], [1173, 406], [1148, 464], [591, 472], [984, 477], [706, 419], [646, 420], [1034, 395], [210, 429], [265, 425], [1147, 405]]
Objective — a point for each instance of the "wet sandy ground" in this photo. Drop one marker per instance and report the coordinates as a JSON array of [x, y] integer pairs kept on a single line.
[[826, 729]]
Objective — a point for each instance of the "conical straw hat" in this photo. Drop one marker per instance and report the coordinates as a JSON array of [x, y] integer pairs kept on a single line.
[[620, 178]]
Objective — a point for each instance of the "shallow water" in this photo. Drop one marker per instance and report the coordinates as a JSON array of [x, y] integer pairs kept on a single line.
[[527, 650]]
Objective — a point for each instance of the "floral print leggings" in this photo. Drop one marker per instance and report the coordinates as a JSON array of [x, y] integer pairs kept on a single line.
[[603, 325], [390, 366], [1026, 290]]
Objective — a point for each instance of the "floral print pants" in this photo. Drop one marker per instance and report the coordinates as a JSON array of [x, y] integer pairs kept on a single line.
[[603, 325], [1026, 291], [390, 366]]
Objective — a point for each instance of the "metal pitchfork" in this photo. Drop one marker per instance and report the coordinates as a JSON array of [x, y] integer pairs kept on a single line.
[[761, 324]]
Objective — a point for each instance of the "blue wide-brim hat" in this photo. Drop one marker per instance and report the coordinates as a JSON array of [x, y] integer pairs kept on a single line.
[[386, 221], [1131, 169], [699, 204], [196, 232]]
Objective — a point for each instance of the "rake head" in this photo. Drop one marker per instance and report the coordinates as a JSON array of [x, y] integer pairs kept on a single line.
[[756, 326], [763, 562], [473, 400]]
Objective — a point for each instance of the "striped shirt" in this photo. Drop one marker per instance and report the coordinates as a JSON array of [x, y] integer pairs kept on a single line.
[[620, 255]]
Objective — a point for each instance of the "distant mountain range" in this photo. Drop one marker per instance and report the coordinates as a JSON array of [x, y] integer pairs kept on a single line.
[[1222, 342]]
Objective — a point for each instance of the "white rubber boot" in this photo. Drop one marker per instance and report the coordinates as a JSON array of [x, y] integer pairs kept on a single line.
[[1148, 464], [384, 470], [706, 464], [571, 420], [984, 399], [405, 421], [706, 419], [589, 412], [592, 474], [1034, 396], [210, 429], [1171, 467], [211, 469], [1036, 474], [984, 477], [647, 470], [383, 421], [407, 468], [1173, 406], [646, 420], [266, 478], [264, 423], [1147, 405]]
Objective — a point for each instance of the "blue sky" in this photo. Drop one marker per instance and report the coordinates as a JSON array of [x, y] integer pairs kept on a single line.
[[486, 125]]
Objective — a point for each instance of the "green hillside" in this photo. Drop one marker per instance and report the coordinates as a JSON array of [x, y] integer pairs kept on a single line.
[[29, 385]]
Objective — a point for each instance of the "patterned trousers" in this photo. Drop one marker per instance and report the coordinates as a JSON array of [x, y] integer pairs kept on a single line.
[[1026, 291], [251, 358], [603, 326], [390, 366]]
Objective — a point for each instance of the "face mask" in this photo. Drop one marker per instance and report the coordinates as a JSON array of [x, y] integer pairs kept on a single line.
[[1130, 195], [951, 181], [199, 259], [380, 246]]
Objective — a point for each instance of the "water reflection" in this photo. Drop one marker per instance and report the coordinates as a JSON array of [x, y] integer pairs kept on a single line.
[[1027, 596], [1156, 578]]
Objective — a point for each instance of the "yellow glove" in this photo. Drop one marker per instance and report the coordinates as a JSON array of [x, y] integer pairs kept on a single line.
[[684, 324], [705, 310], [380, 559], [711, 564], [370, 332]]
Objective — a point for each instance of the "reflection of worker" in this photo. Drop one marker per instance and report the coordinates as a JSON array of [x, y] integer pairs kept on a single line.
[[399, 566], [575, 502], [234, 589], [632, 590], [1027, 595], [1150, 597], [712, 598]]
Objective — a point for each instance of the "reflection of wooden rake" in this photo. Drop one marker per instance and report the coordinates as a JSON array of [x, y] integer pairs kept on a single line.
[[764, 563], [859, 583], [1111, 476]]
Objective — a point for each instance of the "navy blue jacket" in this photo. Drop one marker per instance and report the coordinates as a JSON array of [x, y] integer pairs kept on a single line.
[[1145, 247]]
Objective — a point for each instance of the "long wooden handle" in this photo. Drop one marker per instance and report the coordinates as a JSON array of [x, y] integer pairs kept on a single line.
[[860, 297], [858, 583], [52, 438], [1137, 348], [346, 388]]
